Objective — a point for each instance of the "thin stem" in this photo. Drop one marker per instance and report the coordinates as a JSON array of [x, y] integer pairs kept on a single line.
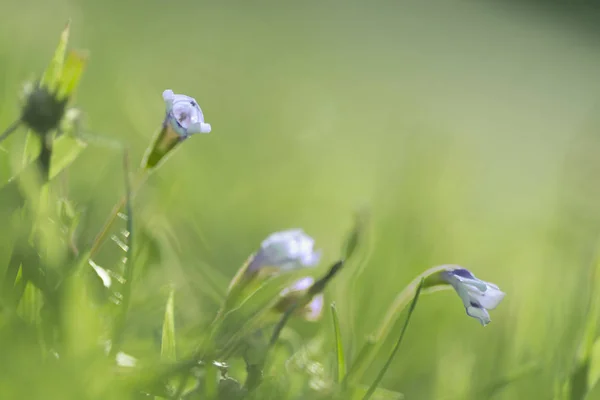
[[12, 127], [375, 340], [397, 345]]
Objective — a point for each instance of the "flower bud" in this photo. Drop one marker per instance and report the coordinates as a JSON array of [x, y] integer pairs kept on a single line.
[[183, 118]]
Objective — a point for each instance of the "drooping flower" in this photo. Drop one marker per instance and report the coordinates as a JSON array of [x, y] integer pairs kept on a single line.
[[286, 251], [477, 296], [183, 118]]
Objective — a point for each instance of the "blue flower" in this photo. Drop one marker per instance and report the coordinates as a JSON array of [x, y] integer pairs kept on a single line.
[[477, 296]]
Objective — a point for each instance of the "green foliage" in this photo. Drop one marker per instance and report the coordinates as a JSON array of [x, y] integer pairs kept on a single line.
[[82, 304]]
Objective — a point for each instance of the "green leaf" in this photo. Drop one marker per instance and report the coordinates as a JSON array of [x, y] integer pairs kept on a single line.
[[71, 74], [387, 364], [66, 150], [54, 70], [339, 346], [168, 348]]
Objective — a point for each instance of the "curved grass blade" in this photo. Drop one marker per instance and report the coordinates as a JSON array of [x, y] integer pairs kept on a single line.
[[381, 374], [339, 346], [370, 349]]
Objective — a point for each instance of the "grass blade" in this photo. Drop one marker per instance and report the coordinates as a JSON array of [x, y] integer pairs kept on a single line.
[[397, 345], [126, 294], [168, 344], [339, 346]]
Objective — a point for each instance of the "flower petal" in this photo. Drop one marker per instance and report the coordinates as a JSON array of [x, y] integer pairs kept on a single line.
[[491, 298], [314, 309], [480, 313]]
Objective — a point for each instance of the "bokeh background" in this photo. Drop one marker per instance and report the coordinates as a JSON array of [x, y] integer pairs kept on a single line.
[[469, 129]]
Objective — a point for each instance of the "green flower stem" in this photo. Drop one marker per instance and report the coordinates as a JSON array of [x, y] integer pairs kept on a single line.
[[381, 374], [431, 281]]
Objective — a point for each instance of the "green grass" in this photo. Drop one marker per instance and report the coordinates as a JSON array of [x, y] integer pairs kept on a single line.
[[468, 132]]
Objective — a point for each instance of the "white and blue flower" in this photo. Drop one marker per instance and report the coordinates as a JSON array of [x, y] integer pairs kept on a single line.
[[477, 296]]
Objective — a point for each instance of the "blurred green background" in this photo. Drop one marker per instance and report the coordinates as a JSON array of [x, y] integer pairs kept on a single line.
[[469, 129]]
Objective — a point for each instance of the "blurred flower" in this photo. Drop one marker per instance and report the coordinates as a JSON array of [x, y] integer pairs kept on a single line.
[[280, 252], [183, 118], [478, 296], [286, 251], [311, 311]]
